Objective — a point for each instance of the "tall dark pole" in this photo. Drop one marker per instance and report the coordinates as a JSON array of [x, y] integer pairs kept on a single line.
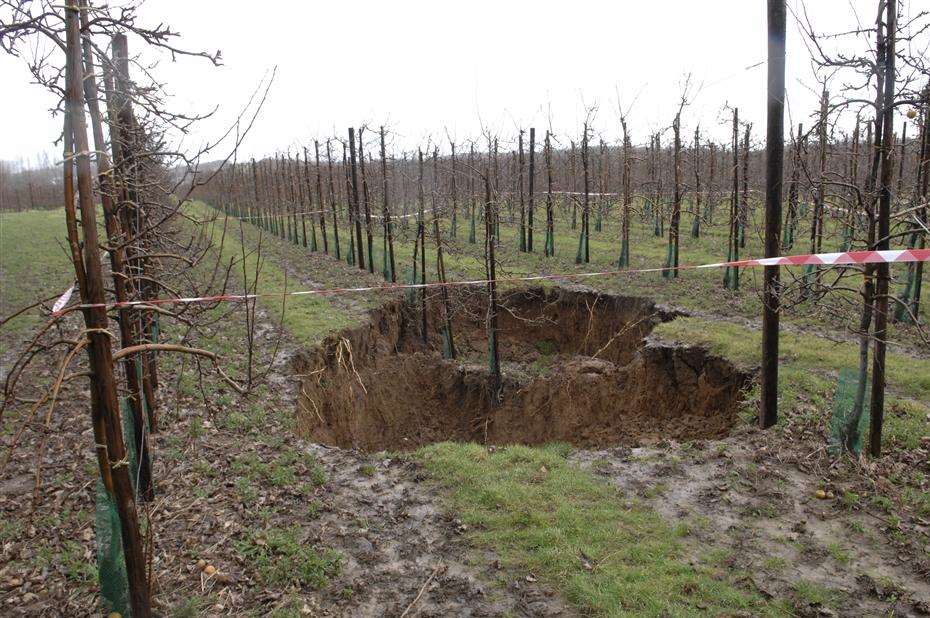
[[354, 201], [388, 226], [532, 190], [491, 273], [774, 165], [877, 403]]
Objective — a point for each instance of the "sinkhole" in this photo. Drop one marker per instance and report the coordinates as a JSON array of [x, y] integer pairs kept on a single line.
[[578, 366]]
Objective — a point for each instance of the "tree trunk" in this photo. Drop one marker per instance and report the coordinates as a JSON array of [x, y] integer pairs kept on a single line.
[[671, 261], [877, 407], [121, 276], [386, 213], [731, 273], [105, 404], [491, 271], [532, 191], [332, 199]]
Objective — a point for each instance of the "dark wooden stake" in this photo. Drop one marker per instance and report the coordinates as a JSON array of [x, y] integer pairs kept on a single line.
[[877, 403], [421, 238], [386, 213], [549, 249], [774, 169], [446, 308], [671, 262], [319, 193], [522, 200], [354, 201], [494, 360], [332, 197], [531, 186], [366, 199]]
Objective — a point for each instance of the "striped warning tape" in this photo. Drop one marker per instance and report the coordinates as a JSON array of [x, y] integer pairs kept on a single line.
[[844, 258], [847, 257], [315, 212]]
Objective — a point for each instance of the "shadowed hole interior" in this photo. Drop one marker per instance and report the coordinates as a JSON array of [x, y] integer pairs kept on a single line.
[[578, 366]]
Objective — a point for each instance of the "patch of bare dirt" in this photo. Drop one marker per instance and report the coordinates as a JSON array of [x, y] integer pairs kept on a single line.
[[399, 542], [751, 503], [578, 367]]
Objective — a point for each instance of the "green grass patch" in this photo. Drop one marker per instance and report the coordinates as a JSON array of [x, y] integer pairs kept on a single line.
[[281, 557], [308, 318], [34, 262], [811, 593], [808, 370], [609, 557]]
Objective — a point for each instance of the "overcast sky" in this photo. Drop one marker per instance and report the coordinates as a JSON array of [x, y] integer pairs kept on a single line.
[[422, 68]]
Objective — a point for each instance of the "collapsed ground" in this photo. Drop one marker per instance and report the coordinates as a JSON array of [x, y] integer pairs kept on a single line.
[[677, 527], [576, 368]]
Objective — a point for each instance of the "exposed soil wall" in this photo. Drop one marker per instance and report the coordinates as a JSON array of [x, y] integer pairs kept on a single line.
[[578, 367]]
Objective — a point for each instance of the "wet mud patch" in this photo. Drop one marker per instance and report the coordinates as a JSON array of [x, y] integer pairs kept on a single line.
[[577, 366]]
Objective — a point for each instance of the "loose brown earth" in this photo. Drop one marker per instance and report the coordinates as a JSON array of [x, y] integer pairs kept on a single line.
[[750, 505], [578, 367]]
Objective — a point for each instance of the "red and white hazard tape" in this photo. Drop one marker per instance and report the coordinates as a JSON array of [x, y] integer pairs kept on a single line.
[[848, 257], [313, 212], [845, 258]]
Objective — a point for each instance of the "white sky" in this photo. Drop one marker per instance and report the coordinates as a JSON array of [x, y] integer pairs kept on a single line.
[[421, 67]]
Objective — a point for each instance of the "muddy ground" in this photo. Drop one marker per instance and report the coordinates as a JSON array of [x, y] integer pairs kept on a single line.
[[577, 366], [751, 504]]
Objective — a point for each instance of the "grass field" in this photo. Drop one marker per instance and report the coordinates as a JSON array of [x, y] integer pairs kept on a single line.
[[607, 553], [696, 290], [34, 261], [610, 555]]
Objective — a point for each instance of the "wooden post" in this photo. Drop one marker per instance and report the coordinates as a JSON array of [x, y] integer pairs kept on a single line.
[[744, 199], [452, 188], [711, 187], [624, 261], [366, 201], [445, 308], [522, 200], [550, 223], [134, 217], [698, 196], [791, 217], [571, 182], [473, 199], [491, 271], [877, 408], [386, 213], [774, 169], [731, 273], [421, 236], [532, 191], [308, 186], [319, 194], [671, 262], [584, 255], [332, 197], [354, 203], [658, 210]]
